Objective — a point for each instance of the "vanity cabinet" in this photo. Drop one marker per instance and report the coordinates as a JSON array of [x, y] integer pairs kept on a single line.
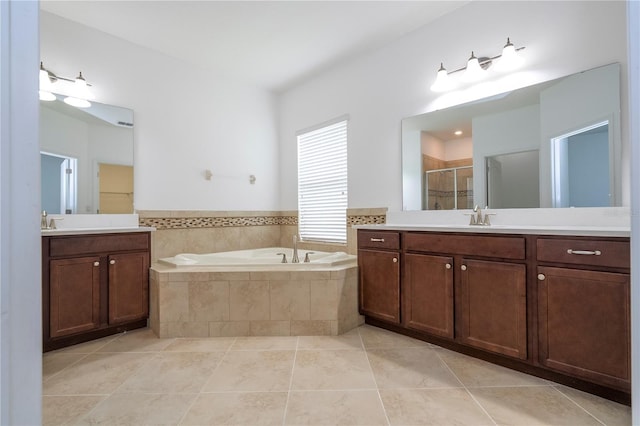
[[488, 278], [493, 303], [74, 295], [379, 269], [584, 314], [93, 286], [427, 294], [550, 305]]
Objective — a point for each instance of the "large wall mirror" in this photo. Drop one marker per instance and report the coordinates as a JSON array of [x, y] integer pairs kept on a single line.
[[554, 144], [86, 158]]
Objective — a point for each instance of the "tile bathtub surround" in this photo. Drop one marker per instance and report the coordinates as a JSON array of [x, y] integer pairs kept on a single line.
[[256, 303], [367, 376], [180, 231]]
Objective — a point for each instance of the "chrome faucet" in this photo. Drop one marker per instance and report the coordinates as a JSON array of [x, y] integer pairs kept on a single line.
[[295, 250], [478, 219]]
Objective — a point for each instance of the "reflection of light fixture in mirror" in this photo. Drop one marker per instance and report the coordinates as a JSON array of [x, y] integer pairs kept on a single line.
[[443, 81], [80, 94], [476, 68], [458, 132], [46, 79]]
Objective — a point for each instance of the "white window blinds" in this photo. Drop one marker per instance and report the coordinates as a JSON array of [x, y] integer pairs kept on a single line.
[[322, 184]]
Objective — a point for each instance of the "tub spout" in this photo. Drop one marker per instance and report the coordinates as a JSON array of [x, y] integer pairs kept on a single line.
[[295, 250]]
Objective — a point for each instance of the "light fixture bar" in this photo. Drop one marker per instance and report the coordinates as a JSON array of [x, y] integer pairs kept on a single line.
[[484, 61]]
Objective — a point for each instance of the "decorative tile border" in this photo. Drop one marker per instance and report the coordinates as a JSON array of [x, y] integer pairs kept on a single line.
[[216, 222], [241, 221], [366, 220]]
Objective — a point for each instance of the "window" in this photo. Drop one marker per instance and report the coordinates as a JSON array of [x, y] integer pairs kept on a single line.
[[322, 183]]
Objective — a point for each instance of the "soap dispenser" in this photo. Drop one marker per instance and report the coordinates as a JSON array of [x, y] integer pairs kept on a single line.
[[43, 220]]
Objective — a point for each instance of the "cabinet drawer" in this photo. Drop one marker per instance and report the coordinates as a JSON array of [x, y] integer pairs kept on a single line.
[[89, 244], [615, 254], [472, 245], [379, 239]]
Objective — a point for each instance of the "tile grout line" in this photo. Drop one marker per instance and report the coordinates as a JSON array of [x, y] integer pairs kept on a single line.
[[86, 354], [107, 396], [205, 383], [366, 354], [484, 410], [581, 407], [293, 366]]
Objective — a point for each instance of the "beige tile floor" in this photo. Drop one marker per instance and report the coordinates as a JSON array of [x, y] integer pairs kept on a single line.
[[368, 376]]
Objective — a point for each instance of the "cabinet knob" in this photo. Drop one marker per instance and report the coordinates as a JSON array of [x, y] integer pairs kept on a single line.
[[448, 266], [541, 277], [96, 263], [112, 262], [395, 260], [463, 267]]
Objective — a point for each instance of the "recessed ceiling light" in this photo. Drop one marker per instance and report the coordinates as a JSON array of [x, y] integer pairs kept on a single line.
[[458, 132]]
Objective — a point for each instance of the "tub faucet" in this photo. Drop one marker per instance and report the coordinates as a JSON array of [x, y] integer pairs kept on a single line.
[[295, 250]]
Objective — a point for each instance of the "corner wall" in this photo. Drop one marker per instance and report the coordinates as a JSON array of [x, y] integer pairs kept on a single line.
[[218, 231], [379, 89], [186, 120]]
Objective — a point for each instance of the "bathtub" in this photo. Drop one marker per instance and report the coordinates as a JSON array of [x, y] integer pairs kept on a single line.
[[251, 293], [260, 258]]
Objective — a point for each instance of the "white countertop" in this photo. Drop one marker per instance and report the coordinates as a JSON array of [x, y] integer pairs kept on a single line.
[[104, 230], [580, 221], [588, 231]]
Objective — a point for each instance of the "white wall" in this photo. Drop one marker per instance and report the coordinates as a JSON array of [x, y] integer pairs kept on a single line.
[[20, 273], [458, 149], [377, 90], [633, 126], [187, 120]]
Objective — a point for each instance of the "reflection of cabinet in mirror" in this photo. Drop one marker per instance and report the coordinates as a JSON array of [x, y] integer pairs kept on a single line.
[[115, 188]]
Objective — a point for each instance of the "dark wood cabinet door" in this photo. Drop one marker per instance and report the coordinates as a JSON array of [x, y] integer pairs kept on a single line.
[[494, 306], [380, 284], [128, 287], [427, 294], [584, 324], [74, 298]]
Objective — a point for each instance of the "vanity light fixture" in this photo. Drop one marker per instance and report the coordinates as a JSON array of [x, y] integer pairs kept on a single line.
[[476, 68], [80, 93], [47, 78], [77, 94], [458, 132]]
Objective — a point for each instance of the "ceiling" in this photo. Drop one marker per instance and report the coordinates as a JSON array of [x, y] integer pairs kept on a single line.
[[272, 44]]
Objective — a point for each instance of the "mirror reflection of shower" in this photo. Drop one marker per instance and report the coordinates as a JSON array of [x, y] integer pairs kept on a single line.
[[58, 183], [581, 167]]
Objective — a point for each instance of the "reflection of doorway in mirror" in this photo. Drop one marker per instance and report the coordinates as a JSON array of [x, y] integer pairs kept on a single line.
[[58, 183], [513, 180], [580, 168], [115, 188]]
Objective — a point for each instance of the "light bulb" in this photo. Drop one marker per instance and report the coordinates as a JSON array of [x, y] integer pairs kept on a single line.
[[443, 81], [510, 58], [45, 85], [474, 71], [81, 89]]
